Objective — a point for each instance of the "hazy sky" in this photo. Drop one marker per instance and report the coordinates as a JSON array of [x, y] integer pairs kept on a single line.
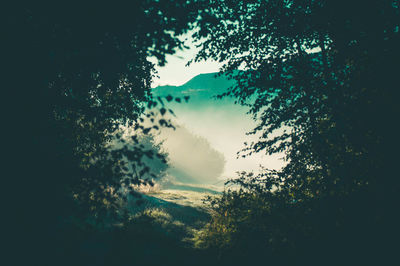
[[176, 73]]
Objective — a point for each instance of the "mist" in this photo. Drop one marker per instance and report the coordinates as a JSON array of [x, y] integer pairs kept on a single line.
[[220, 122], [191, 157]]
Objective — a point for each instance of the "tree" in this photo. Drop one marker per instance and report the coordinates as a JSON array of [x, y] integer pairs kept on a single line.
[[319, 76], [75, 74], [322, 74]]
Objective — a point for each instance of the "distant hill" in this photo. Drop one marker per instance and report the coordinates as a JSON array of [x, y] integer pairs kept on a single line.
[[201, 87]]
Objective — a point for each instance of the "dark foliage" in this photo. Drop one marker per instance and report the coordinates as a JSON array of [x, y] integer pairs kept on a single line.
[[75, 74], [320, 77]]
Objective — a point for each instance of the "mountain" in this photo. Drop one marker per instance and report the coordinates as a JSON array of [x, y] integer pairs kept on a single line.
[[202, 87]]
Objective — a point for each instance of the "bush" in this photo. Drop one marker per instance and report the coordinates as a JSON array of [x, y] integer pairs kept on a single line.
[[250, 224]]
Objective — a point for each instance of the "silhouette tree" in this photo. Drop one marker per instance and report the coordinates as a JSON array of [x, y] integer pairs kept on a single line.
[[320, 78], [75, 74]]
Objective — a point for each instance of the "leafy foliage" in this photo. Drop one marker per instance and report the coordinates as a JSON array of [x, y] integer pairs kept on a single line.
[[322, 79], [75, 75], [319, 77], [88, 74]]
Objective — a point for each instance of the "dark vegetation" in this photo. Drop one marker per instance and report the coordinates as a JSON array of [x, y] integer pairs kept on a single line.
[[75, 74], [331, 110]]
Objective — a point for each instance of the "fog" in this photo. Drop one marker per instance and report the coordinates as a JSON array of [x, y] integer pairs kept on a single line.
[[204, 146], [191, 157]]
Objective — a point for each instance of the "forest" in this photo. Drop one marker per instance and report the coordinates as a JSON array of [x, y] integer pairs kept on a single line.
[[82, 163]]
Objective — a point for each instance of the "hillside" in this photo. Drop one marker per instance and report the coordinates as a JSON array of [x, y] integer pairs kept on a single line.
[[201, 87]]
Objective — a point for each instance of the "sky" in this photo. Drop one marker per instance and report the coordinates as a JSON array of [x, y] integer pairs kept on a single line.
[[175, 71]]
